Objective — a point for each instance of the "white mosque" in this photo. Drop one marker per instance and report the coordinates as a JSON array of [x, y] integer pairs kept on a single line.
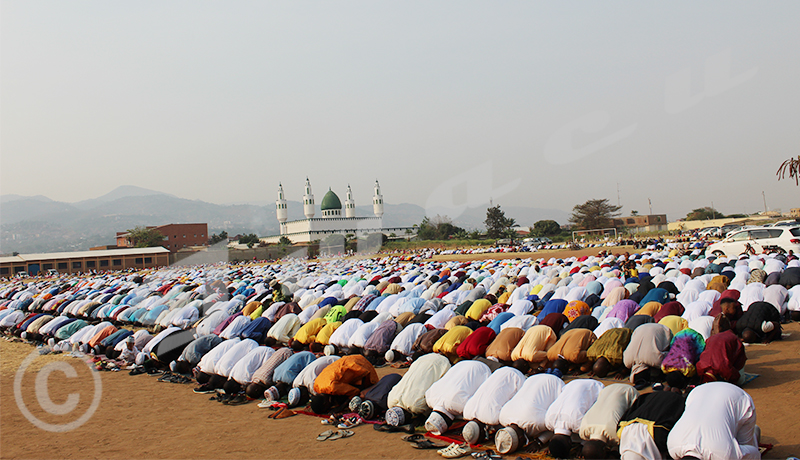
[[332, 222]]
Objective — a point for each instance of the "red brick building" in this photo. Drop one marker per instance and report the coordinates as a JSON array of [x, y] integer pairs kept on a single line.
[[176, 236]]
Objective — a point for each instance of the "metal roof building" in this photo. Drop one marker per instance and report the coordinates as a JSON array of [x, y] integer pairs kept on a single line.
[[84, 261]]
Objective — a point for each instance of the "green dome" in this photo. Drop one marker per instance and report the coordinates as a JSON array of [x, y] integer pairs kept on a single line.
[[330, 201]]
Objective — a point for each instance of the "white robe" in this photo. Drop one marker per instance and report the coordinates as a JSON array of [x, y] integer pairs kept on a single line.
[[285, 328], [209, 360], [361, 335], [566, 413], [527, 409], [309, 373], [341, 336], [637, 444], [719, 422], [493, 394], [225, 364], [409, 393], [404, 341], [242, 372], [441, 317], [450, 393], [235, 327], [523, 322]]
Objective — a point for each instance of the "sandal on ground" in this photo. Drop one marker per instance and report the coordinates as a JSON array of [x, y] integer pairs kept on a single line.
[[458, 451], [284, 413], [427, 444], [239, 400], [413, 438], [351, 422], [346, 433], [325, 435]]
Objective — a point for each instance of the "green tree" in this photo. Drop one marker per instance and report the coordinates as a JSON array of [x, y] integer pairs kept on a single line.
[[250, 240], [791, 166], [546, 228], [143, 237], [704, 214], [634, 213], [284, 241], [594, 214], [217, 238], [437, 228], [497, 224]]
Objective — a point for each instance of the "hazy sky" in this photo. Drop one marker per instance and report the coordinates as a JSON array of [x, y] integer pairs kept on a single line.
[[446, 103]]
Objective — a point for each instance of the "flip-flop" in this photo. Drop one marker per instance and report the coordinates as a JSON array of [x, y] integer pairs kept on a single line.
[[427, 444], [325, 435], [413, 438], [346, 433], [275, 414], [285, 413], [336, 435]]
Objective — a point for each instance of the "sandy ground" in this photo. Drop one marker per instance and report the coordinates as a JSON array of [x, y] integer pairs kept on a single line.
[[139, 417]]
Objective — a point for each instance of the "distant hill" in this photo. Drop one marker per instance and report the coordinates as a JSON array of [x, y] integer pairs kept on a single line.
[[13, 197], [39, 224], [123, 191]]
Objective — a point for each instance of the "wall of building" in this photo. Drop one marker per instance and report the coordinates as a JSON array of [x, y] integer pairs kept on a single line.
[[362, 224], [82, 262], [696, 224], [641, 221], [176, 236], [179, 236]]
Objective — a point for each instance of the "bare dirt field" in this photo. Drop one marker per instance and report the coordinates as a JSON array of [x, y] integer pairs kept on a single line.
[[139, 417]]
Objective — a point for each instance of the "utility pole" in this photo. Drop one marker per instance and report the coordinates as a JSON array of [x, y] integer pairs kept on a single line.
[[618, 194], [765, 202], [650, 203]]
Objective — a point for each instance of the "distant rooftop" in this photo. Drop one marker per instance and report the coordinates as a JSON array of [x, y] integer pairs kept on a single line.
[[83, 254]]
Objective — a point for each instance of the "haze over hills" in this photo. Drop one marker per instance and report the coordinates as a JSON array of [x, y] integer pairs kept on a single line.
[[40, 224]]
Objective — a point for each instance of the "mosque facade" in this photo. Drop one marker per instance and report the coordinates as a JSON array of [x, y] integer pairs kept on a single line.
[[336, 218]]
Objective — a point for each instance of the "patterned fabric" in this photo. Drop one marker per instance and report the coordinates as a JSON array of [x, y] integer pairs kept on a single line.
[[575, 309], [264, 373], [684, 352], [361, 305]]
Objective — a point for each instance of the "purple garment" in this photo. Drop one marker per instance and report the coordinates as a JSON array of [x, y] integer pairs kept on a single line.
[[218, 330], [684, 352], [381, 339], [623, 310]]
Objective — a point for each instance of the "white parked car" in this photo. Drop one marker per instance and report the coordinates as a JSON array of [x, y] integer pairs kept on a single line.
[[758, 239], [708, 231]]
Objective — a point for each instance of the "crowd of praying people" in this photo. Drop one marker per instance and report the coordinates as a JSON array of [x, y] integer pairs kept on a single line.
[[640, 356]]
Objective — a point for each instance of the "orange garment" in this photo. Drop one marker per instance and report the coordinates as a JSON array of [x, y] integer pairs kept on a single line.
[[346, 376], [251, 307], [503, 345], [104, 332], [649, 309], [572, 346]]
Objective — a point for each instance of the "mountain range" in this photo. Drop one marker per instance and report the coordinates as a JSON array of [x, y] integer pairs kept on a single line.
[[30, 224]]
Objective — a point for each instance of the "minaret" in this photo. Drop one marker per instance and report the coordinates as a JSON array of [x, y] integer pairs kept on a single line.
[[308, 201], [280, 206], [349, 204], [377, 201]]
